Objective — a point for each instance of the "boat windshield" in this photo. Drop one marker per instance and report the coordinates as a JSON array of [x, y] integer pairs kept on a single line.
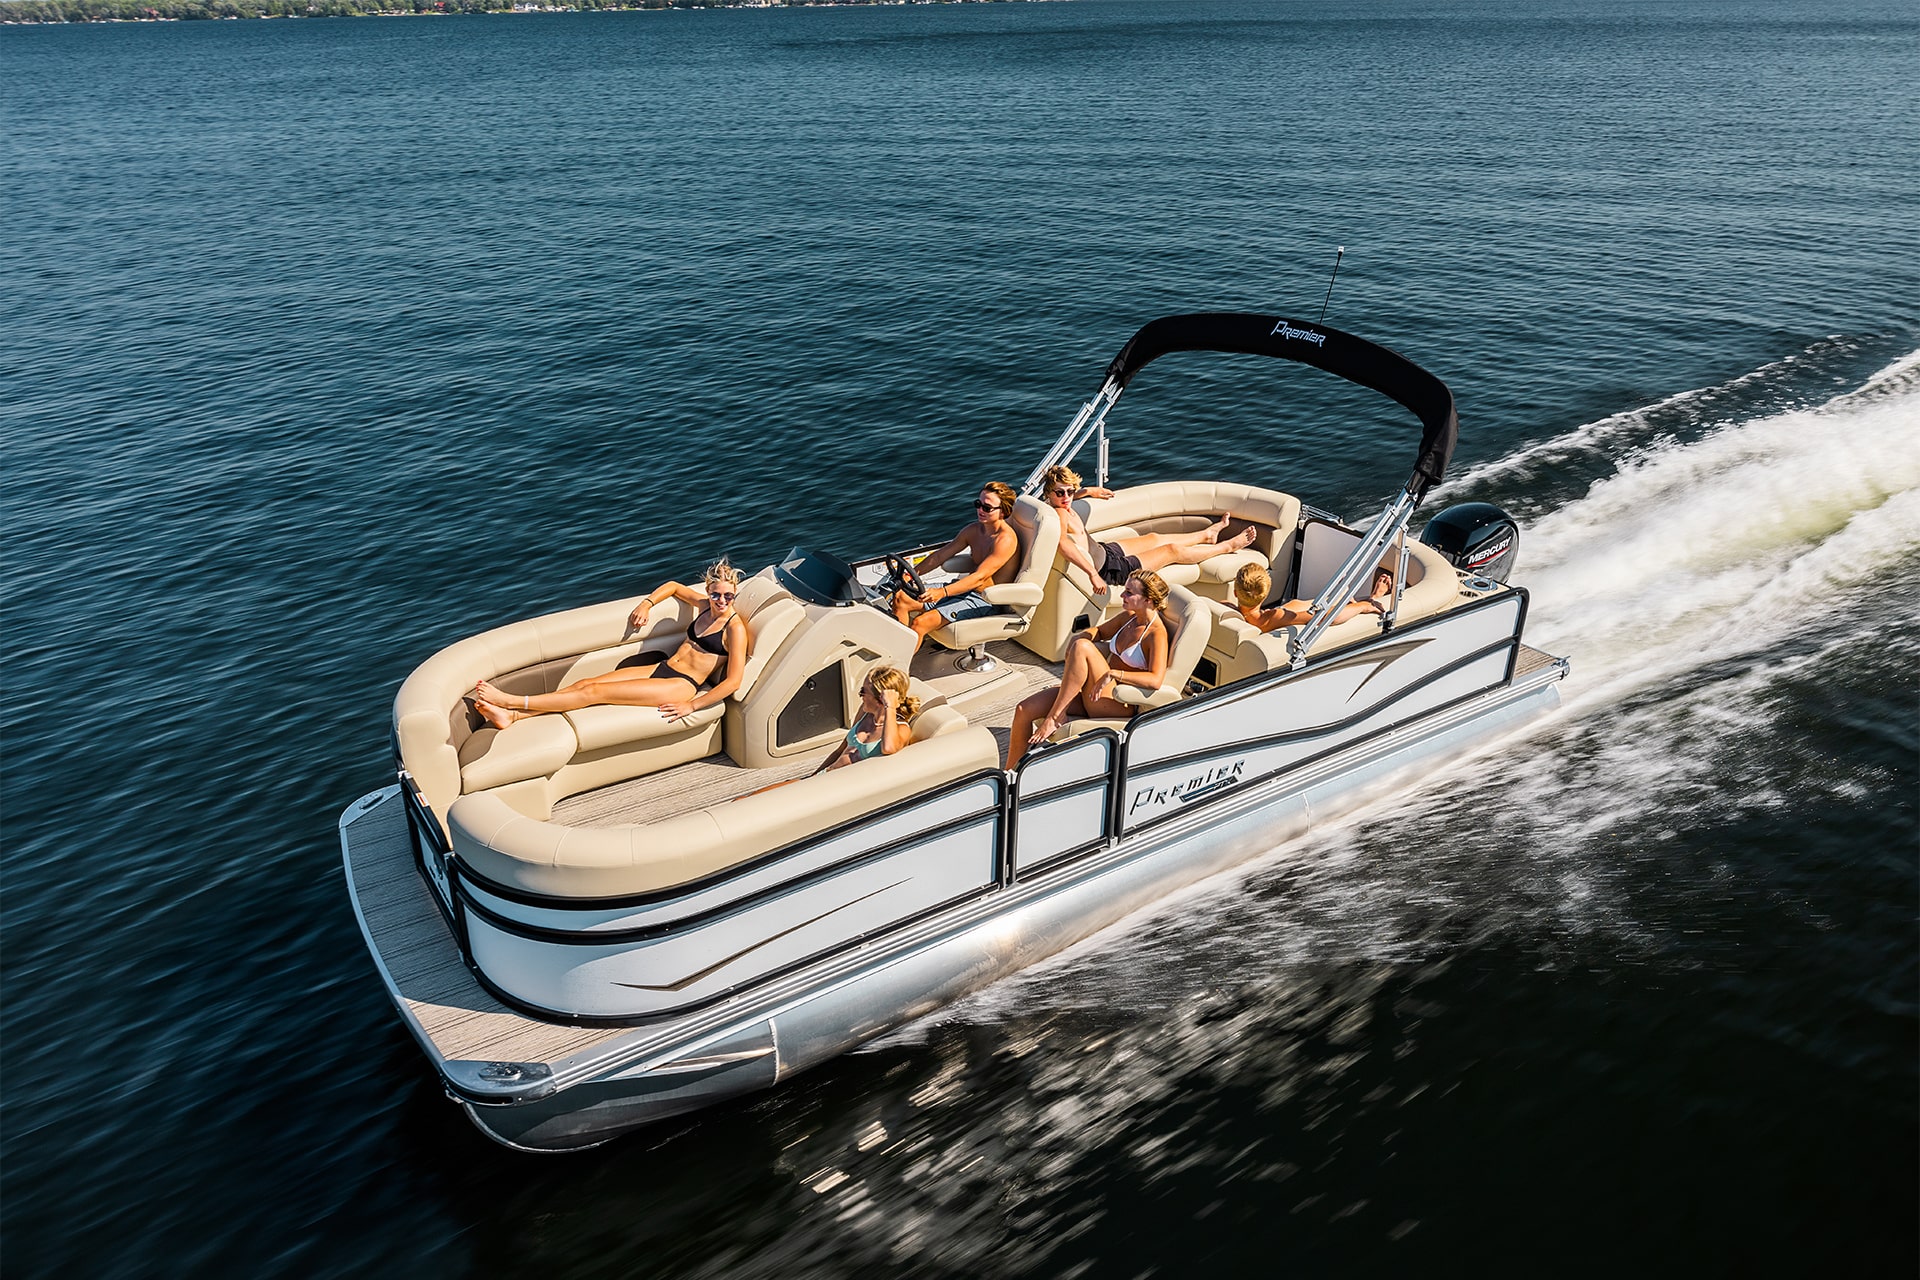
[[819, 578]]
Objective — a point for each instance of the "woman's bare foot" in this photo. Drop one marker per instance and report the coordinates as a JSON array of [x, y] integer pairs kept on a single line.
[[1239, 540], [1043, 729], [1212, 532], [498, 717], [486, 691]]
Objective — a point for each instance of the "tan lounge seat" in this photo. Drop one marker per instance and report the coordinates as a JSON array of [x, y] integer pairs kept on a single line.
[[511, 846], [1172, 507], [450, 751], [1039, 532]]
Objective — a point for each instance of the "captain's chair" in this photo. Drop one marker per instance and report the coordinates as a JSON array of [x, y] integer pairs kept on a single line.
[[1015, 602]]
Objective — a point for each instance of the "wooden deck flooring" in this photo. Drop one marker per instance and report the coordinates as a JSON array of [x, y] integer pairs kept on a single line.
[[436, 991], [1530, 660]]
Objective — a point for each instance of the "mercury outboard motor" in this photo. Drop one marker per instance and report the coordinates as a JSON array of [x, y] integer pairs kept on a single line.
[[1475, 537]]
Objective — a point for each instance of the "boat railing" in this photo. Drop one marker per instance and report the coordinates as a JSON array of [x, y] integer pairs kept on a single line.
[[1358, 567], [656, 951], [1092, 418]]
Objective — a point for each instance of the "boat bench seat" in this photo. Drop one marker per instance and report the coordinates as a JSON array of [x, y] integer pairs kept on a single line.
[[523, 850], [450, 751], [1237, 650], [1175, 506]]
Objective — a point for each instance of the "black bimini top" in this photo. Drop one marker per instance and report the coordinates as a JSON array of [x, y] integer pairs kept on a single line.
[[1354, 359]]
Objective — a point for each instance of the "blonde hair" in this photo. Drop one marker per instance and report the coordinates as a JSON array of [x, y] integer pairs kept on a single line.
[[895, 679], [722, 572], [1251, 585], [1152, 586], [1061, 473]]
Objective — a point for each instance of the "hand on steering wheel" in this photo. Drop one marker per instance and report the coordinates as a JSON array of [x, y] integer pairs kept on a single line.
[[905, 577]]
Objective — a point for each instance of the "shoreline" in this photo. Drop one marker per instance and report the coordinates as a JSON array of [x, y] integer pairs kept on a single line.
[[31, 13]]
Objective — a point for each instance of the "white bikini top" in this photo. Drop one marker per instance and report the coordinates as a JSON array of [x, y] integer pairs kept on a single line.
[[1135, 654]]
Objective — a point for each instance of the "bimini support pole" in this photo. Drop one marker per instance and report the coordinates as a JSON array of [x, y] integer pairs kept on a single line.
[[1091, 418], [1357, 569], [1399, 581]]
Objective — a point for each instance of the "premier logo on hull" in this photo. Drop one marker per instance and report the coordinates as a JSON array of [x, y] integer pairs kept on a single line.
[[1218, 778], [1282, 329]]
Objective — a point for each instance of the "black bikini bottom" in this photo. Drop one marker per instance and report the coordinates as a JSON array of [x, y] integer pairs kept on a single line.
[[658, 658]]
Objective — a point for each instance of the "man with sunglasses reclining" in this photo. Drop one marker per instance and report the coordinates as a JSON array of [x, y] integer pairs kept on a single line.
[[1111, 563], [995, 549]]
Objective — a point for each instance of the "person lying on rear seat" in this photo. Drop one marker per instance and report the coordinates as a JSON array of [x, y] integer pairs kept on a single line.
[[702, 672], [1111, 562], [1131, 647], [995, 549], [1251, 584]]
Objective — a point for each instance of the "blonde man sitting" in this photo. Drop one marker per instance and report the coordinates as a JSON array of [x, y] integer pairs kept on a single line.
[[1111, 562]]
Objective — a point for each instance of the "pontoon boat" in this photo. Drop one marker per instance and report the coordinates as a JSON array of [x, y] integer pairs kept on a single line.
[[596, 919]]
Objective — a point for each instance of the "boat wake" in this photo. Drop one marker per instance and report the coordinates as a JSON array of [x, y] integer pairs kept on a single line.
[[1783, 526], [1685, 587]]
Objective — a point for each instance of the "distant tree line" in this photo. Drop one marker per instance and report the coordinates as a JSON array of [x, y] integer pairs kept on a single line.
[[184, 10]]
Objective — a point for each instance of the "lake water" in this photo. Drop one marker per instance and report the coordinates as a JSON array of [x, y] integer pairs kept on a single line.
[[328, 342]]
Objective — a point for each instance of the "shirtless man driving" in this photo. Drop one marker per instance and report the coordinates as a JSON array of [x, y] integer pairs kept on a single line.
[[1111, 562], [995, 549]]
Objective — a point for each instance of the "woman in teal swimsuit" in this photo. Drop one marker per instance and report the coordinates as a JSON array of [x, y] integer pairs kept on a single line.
[[886, 711]]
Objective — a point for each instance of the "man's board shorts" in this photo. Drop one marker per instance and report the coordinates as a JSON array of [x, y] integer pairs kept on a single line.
[[970, 605], [1116, 566]]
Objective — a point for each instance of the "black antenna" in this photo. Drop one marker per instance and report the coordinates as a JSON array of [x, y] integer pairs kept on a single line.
[[1339, 253]]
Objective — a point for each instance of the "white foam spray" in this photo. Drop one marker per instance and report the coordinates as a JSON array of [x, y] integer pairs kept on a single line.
[[1754, 550], [1757, 532]]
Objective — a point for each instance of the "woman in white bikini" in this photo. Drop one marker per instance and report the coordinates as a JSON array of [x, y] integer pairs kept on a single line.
[[1129, 648], [703, 671]]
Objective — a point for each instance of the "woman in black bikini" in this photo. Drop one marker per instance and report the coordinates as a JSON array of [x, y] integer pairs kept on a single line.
[[703, 671]]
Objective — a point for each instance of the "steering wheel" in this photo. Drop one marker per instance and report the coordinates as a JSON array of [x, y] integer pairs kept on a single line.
[[905, 577]]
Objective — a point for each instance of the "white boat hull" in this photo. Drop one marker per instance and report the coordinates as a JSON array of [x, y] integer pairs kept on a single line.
[[806, 1014]]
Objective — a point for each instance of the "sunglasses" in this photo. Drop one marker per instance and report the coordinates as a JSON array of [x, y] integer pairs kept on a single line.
[[985, 506], [722, 597], [1063, 493]]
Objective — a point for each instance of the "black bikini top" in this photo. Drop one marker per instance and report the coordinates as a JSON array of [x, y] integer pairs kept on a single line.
[[714, 642]]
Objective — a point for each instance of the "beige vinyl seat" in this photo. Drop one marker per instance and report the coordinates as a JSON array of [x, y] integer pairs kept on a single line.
[[514, 843], [450, 752], [1178, 506], [1189, 621], [1237, 650], [1016, 602]]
